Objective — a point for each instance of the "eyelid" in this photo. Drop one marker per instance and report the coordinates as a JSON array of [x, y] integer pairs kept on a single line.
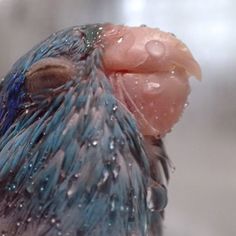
[[49, 73]]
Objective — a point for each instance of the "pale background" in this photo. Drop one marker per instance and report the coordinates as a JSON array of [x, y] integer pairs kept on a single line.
[[202, 191]]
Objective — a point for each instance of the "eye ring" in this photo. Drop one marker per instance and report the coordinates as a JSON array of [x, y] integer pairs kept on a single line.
[[49, 73]]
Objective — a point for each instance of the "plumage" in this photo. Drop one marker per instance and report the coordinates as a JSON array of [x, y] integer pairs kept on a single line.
[[72, 158]]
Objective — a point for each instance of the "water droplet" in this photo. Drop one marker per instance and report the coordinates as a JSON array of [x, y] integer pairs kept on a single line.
[[105, 176], [186, 104], [18, 223], [89, 144], [112, 145], [69, 192], [53, 220], [4, 233], [94, 143], [152, 85], [120, 40], [156, 197], [58, 224], [26, 111], [113, 205], [114, 108], [29, 220], [116, 172], [112, 118], [76, 175], [155, 48]]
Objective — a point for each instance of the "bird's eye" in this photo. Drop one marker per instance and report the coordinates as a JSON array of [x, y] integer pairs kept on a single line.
[[49, 73]]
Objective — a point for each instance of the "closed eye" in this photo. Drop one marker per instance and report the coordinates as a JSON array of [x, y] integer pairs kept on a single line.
[[49, 73]]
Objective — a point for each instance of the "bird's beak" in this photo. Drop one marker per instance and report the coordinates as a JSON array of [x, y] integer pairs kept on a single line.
[[149, 70], [143, 49], [180, 56]]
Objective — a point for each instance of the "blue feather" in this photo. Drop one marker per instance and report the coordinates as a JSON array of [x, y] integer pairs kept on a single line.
[[72, 160]]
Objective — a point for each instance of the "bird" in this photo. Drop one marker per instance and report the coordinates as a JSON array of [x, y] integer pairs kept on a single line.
[[82, 120]]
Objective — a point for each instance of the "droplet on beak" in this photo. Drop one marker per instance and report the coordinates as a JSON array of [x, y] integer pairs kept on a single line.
[[149, 70]]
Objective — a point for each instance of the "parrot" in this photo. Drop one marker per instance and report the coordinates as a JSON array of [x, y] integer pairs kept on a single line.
[[82, 120]]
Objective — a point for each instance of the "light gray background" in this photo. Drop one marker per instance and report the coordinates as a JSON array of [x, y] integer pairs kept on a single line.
[[202, 191]]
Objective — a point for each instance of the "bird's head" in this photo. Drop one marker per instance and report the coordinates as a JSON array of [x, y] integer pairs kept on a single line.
[[147, 68]]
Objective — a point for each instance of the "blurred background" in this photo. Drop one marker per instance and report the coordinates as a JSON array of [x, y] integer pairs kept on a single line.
[[202, 190]]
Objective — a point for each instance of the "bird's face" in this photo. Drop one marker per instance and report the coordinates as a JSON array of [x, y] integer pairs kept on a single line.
[[73, 114], [147, 68]]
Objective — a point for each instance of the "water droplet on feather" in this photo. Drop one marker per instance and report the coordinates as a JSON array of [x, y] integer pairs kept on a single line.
[[53, 220], [94, 143], [114, 108], [116, 171], [112, 145], [156, 197]]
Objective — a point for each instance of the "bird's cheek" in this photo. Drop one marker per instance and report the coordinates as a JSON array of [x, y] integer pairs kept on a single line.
[[156, 100]]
